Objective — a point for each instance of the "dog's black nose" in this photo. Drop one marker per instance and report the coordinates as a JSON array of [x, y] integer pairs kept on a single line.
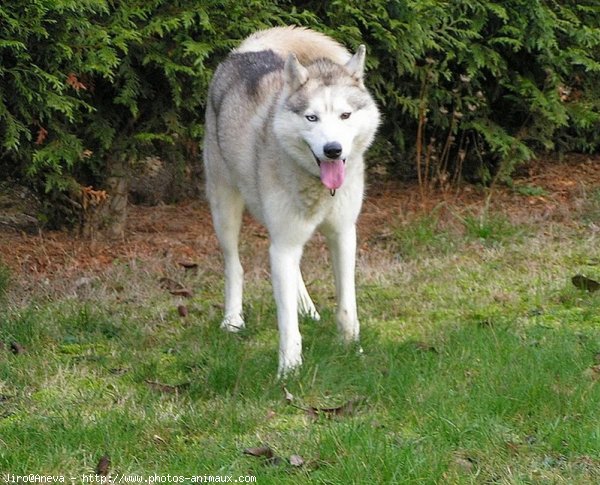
[[332, 149]]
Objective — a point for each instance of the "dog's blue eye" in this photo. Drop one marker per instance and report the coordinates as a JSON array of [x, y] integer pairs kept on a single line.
[[312, 118], [345, 116]]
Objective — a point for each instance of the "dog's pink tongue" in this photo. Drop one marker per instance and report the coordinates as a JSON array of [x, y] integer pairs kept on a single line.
[[332, 173]]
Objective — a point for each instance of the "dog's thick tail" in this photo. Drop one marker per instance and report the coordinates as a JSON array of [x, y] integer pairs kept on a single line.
[[307, 44]]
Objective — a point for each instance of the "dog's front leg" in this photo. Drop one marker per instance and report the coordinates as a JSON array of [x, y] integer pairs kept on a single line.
[[342, 244], [285, 259]]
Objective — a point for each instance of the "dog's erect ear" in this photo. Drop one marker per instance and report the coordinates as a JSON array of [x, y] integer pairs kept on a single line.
[[356, 65], [295, 73]]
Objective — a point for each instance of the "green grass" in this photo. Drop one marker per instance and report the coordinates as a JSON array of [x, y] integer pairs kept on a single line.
[[477, 368]]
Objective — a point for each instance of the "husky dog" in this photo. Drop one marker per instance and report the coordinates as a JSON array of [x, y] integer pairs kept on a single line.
[[288, 120]]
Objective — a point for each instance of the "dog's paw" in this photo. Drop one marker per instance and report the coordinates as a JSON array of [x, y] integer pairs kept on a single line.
[[288, 367], [233, 323], [288, 371], [348, 326]]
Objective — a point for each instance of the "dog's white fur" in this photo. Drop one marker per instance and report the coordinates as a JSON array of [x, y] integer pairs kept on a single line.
[[257, 153]]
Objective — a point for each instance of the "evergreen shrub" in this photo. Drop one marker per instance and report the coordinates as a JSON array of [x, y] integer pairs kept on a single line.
[[466, 87]]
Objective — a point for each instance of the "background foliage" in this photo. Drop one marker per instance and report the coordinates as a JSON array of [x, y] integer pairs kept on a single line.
[[478, 86], [467, 88]]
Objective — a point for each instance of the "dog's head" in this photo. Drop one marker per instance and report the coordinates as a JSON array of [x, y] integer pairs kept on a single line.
[[326, 117]]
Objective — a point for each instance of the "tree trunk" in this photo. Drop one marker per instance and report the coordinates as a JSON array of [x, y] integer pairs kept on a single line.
[[117, 185]]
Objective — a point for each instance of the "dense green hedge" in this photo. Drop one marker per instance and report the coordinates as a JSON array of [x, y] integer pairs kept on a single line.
[[479, 83], [473, 86], [86, 84]]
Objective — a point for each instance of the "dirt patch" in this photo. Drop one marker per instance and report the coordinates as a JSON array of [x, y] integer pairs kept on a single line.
[[544, 191]]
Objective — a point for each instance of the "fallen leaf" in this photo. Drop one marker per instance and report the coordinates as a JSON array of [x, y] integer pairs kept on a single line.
[[259, 451], [188, 265], [296, 460], [182, 310], [16, 348], [289, 397], [103, 466], [585, 283], [265, 452], [182, 292], [158, 439], [270, 414], [347, 409]]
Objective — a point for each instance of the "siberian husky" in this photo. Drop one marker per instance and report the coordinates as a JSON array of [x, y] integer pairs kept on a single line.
[[288, 120]]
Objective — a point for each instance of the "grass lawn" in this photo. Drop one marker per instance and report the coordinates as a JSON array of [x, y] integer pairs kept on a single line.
[[481, 364]]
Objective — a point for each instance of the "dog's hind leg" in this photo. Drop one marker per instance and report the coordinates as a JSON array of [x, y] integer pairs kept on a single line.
[[306, 307], [227, 209]]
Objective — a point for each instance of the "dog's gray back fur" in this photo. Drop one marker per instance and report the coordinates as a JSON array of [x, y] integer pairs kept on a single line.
[[243, 68]]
